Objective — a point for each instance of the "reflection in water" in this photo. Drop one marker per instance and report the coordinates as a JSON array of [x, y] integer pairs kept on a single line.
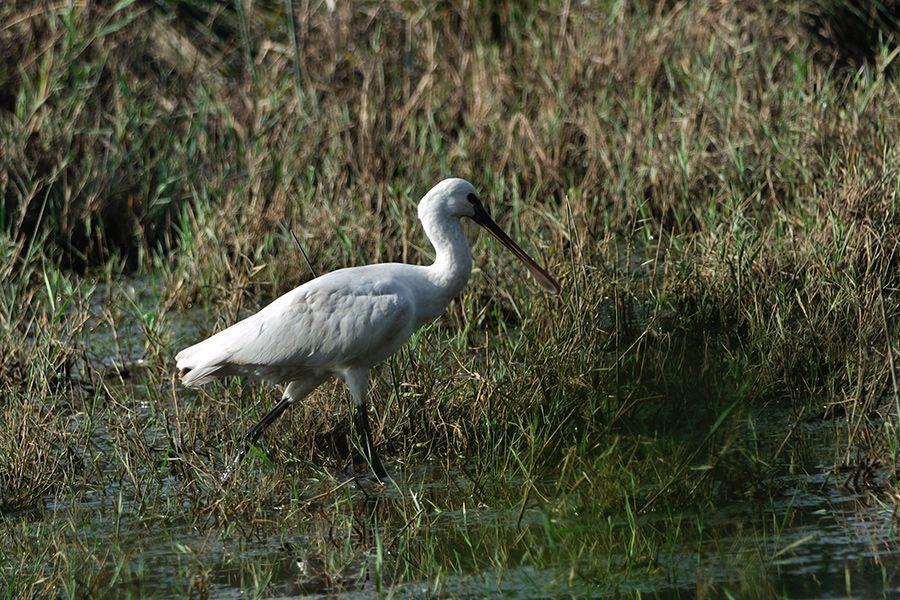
[[815, 540], [434, 532]]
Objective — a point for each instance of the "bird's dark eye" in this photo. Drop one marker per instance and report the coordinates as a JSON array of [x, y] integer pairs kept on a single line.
[[472, 198]]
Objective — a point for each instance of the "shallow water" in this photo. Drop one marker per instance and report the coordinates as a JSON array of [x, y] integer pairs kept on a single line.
[[426, 534], [815, 540]]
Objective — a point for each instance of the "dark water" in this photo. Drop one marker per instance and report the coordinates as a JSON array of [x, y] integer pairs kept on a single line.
[[424, 536], [815, 540]]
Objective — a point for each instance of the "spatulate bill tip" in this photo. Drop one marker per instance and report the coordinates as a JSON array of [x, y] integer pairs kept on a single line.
[[551, 287], [545, 280]]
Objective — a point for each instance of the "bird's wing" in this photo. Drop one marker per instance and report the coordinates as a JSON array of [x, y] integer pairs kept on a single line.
[[329, 323]]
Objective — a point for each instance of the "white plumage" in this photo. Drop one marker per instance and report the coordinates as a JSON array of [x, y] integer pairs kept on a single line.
[[366, 318], [347, 321]]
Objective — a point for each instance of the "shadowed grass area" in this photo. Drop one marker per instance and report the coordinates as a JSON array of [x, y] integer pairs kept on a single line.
[[718, 199]]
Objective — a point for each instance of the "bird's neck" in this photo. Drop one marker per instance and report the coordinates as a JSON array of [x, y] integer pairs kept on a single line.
[[453, 259]]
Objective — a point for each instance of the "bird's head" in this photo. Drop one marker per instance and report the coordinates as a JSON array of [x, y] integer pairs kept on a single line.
[[450, 198], [458, 198]]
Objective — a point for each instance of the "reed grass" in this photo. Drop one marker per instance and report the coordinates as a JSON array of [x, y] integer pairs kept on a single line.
[[716, 188]]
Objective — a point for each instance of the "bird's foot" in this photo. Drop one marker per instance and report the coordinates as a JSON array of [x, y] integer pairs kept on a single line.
[[230, 469], [249, 443], [369, 466]]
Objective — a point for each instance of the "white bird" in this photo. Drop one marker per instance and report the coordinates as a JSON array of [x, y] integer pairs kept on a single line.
[[345, 322]]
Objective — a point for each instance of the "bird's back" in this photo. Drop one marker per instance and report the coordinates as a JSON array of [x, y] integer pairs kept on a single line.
[[349, 318]]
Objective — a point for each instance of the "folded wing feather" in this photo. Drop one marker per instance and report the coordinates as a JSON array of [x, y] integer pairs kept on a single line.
[[326, 326]]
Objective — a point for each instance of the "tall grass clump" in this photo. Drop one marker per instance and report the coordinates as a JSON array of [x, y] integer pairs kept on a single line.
[[738, 167], [715, 185]]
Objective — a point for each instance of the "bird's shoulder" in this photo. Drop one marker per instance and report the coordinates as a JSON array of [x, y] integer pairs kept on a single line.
[[382, 287], [332, 319]]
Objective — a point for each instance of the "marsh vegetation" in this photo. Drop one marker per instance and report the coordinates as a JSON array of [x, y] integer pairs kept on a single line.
[[712, 401]]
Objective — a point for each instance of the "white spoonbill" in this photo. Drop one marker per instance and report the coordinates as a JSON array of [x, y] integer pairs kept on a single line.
[[345, 322]]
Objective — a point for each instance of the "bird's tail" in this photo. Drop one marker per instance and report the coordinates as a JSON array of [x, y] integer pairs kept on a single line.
[[197, 377], [194, 368]]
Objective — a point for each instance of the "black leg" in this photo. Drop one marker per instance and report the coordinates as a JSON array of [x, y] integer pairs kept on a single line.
[[369, 453], [255, 433]]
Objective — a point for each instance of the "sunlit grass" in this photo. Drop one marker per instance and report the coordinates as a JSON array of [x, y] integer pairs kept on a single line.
[[717, 198]]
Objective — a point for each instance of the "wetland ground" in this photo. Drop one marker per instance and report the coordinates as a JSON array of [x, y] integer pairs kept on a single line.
[[709, 409]]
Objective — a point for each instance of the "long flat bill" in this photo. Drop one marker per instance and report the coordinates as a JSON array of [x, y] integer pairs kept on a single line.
[[543, 278]]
